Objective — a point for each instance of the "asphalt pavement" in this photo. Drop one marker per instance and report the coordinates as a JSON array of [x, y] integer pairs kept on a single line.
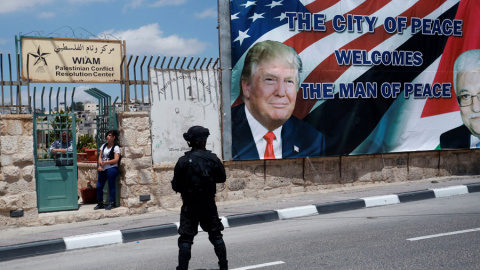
[[21, 242]]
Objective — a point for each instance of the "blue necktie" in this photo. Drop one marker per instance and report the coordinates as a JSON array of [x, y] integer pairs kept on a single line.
[[478, 145]]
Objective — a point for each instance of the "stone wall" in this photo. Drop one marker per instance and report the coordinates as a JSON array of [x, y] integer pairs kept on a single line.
[[17, 171], [268, 178], [136, 172], [145, 187], [87, 172]]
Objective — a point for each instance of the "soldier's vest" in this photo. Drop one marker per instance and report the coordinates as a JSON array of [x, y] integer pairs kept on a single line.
[[199, 183]]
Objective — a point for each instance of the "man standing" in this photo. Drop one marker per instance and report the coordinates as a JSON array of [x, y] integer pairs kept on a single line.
[[263, 127], [195, 177], [466, 78], [60, 148]]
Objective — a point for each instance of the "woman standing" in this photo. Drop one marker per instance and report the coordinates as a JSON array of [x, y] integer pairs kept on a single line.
[[108, 169]]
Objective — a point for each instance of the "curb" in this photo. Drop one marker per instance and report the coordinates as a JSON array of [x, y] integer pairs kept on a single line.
[[130, 235]]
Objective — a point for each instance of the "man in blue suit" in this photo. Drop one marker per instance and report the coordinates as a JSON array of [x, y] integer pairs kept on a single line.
[[466, 77], [263, 127]]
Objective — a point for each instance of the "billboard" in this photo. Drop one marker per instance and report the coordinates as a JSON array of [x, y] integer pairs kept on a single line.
[[182, 99], [375, 77], [71, 60]]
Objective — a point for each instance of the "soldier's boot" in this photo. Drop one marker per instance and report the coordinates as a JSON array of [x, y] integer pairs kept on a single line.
[[184, 255], [223, 266], [220, 251]]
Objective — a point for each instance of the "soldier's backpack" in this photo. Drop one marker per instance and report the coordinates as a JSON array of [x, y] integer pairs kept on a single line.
[[200, 185]]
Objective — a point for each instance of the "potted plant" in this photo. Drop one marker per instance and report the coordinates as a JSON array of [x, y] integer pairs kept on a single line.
[[85, 142], [89, 193], [91, 150], [81, 155]]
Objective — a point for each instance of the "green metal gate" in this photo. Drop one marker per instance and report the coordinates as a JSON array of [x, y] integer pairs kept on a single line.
[[106, 120], [55, 170]]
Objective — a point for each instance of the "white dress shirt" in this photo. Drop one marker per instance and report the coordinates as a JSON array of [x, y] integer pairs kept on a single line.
[[258, 131]]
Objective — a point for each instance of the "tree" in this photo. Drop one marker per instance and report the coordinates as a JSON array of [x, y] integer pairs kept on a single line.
[[79, 106]]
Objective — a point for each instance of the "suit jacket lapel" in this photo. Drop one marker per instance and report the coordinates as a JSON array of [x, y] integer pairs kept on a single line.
[[288, 139], [465, 137], [243, 145]]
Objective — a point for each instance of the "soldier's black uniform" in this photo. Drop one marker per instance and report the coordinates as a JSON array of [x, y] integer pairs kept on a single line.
[[195, 177]]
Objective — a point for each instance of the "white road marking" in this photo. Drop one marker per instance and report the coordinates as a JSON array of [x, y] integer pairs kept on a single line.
[[450, 191], [258, 265], [294, 212], [381, 200], [442, 234], [93, 239]]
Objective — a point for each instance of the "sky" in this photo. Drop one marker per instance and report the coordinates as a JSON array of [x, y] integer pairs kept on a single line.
[[149, 27]]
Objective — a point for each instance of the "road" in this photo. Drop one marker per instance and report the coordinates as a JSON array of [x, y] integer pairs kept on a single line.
[[441, 233]]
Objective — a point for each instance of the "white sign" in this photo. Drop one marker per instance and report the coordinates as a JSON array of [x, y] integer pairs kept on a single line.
[[71, 60], [181, 99]]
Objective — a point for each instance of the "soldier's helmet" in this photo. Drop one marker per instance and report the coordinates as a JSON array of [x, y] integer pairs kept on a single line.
[[196, 134]]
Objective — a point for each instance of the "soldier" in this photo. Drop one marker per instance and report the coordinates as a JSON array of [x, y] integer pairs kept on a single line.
[[195, 177]]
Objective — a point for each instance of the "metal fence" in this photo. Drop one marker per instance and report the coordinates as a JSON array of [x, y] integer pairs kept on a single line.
[[11, 86], [134, 86], [137, 73]]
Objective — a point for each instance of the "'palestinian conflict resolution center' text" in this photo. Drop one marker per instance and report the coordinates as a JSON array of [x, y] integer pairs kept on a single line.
[[85, 71]]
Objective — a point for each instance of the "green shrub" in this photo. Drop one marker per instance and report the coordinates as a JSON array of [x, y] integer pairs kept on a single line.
[[84, 142]]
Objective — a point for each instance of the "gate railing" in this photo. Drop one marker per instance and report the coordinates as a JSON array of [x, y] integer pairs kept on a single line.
[[51, 125], [106, 117]]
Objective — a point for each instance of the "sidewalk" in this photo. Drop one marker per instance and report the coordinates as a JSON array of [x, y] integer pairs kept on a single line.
[[30, 241]]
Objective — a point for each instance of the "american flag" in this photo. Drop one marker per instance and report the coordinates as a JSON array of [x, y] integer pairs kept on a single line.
[[350, 123]]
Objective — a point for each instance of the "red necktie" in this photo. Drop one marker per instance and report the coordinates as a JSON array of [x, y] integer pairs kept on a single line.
[[269, 137]]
